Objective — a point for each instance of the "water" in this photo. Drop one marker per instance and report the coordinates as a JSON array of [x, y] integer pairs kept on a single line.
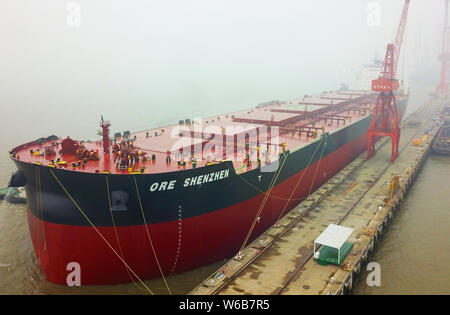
[[414, 255]]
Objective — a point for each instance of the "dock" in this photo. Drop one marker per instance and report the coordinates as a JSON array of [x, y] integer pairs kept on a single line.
[[281, 262]]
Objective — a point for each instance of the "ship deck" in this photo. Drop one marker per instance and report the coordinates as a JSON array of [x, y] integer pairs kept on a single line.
[[258, 132]]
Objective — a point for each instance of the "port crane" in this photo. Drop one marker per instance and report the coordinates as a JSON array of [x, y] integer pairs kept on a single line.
[[385, 110], [442, 88]]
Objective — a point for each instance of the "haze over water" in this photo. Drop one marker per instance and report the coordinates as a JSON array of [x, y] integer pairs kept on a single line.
[[152, 64]]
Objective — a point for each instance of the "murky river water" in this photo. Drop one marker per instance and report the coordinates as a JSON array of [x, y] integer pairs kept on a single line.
[[414, 256]]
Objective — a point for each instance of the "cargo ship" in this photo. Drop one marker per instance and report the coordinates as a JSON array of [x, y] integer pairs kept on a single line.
[[149, 204]]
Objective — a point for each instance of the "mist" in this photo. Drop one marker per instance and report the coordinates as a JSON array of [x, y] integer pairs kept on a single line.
[[144, 64]]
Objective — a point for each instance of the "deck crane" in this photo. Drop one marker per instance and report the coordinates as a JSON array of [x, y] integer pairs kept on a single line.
[[442, 88], [385, 110]]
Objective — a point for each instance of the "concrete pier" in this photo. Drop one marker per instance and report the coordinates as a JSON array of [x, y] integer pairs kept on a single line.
[[281, 260]]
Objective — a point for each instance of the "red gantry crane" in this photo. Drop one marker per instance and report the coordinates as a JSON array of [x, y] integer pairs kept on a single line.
[[442, 88], [385, 110]]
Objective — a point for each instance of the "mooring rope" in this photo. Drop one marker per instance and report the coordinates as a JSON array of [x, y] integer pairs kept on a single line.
[[300, 180], [149, 237], [263, 203], [98, 232], [116, 234]]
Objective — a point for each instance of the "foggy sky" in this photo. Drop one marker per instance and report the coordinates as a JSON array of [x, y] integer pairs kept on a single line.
[[139, 63]]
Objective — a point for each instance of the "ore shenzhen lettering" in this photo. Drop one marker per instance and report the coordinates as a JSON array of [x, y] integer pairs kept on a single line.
[[190, 181]]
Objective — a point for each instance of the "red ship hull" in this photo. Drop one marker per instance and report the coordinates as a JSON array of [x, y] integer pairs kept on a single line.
[[195, 241]]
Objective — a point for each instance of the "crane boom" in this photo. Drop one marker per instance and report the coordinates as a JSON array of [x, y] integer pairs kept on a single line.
[[386, 81], [445, 56], [399, 37]]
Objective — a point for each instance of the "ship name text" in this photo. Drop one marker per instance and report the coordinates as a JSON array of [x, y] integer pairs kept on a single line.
[[190, 181]]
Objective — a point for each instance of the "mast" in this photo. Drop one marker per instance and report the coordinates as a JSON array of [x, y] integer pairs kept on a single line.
[[105, 133]]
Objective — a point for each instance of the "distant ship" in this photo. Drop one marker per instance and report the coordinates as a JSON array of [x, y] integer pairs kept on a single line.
[[162, 201]]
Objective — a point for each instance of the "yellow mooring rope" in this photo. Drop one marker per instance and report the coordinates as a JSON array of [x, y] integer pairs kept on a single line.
[[301, 178], [263, 203], [98, 232], [265, 192], [149, 238], [117, 235], [317, 168]]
